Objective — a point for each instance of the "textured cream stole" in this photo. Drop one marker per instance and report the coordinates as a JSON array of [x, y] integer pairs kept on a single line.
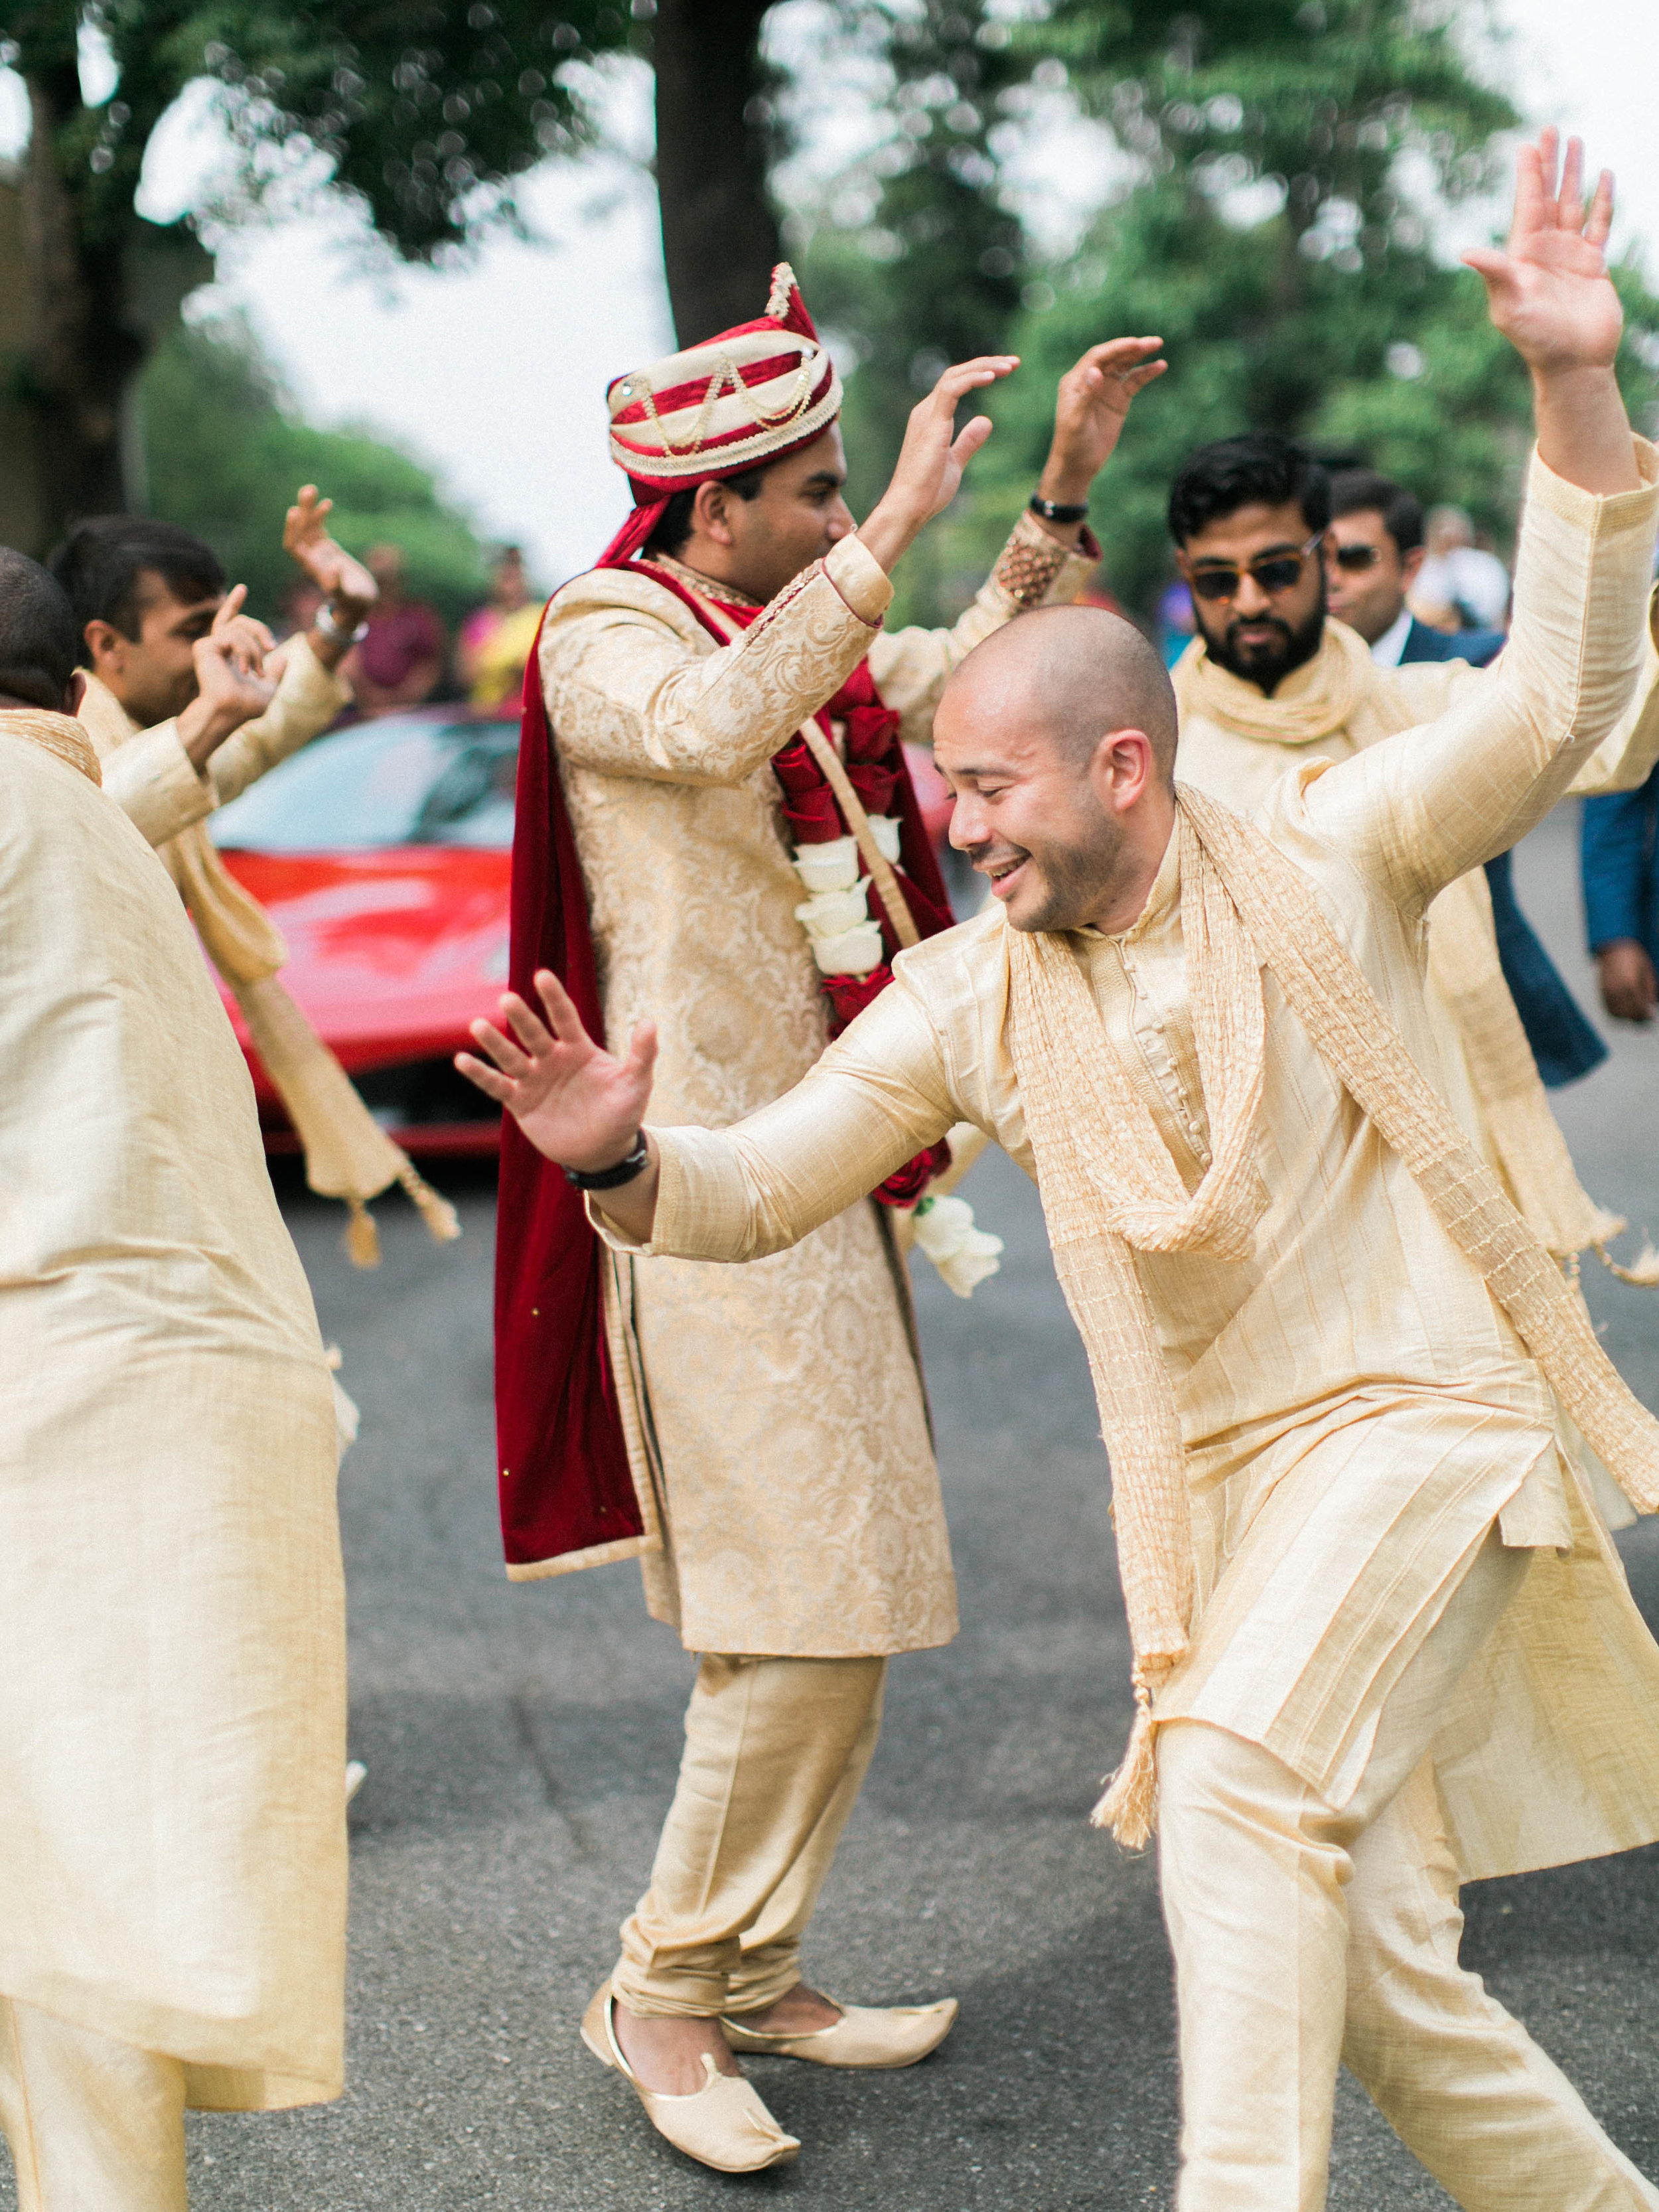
[[61, 735], [347, 1154], [1109, 1188], [1314, 703]]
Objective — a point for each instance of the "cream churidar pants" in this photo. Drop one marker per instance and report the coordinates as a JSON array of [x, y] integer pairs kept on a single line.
[[1303, 1936], [95, 2125], [776, 1751]]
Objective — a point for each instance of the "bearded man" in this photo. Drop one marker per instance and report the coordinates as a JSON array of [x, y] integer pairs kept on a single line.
[[172, 1848], [181, 727], [724, 829], [1271, 681], [1381, 1643]]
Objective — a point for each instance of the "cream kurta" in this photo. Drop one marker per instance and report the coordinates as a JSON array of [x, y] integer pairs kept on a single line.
[[172, 1859], [790, 1460], [1356, 1408]]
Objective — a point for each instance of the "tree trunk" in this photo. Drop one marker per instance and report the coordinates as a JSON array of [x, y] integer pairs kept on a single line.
[[84, 355], [720, 237]]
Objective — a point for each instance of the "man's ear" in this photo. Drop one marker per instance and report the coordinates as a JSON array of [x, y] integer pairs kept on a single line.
[[76, 692], [711, 513], [1410, 563], [106, 646], [1125, 764]]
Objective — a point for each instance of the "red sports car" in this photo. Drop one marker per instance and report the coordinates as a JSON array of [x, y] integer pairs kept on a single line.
[[382, 852]]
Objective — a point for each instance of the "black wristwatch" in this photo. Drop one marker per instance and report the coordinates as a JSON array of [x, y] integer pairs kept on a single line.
[[1052, 510], [636, 1158]]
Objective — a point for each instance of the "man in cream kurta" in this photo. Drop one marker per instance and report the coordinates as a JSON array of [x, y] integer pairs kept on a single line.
[[778, 1422], [158, 626], [172, 1856], [1411, 1655]]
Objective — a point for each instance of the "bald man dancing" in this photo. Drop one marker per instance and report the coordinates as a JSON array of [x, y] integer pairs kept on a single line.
[[1381, 1643]]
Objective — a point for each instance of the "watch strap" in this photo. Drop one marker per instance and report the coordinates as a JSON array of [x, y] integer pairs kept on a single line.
[[633, 1162]]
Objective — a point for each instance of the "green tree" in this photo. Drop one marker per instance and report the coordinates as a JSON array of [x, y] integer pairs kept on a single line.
[[227, 450], [1290, 162], [423, 114]]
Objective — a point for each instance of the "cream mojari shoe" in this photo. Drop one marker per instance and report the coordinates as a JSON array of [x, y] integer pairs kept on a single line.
[[864, 2035], [723, 2124]]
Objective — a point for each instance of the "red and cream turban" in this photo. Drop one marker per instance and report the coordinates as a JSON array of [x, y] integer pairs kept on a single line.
[[717, 410]]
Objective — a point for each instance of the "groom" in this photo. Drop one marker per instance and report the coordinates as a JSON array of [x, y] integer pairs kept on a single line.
[[1381, 1643]]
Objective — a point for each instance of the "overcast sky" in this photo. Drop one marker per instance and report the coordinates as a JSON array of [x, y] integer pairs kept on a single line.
[[496, 374]]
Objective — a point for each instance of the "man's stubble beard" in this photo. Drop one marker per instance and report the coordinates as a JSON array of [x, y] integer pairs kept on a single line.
[[1298, 646], [1077, 880]]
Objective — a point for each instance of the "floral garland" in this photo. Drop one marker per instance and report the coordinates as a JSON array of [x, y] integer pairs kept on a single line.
[[853, 946]]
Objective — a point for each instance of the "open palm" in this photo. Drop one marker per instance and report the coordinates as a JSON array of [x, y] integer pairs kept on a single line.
[[576, 1103], [1547, 290]]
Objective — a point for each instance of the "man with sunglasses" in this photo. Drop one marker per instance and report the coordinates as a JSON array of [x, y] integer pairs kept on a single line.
[[1272, 682], [1373, 551]]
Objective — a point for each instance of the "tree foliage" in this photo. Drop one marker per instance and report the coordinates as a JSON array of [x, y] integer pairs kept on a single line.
[[228, 451], [1283, 165]]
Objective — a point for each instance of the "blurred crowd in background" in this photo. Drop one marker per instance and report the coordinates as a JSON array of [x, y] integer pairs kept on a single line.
[[410, 659]]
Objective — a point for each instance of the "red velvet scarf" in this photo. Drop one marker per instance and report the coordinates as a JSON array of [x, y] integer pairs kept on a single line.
[[566, 1486]]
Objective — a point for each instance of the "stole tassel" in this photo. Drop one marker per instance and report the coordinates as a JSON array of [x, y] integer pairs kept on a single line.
[[439, 1215], [1129, 1807], [1642, 1271], [362, 1238]]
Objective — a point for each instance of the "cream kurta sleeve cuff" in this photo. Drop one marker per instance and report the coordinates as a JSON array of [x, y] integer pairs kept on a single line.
[[153, 781], [859, 578], [308, 700], [704, 1210], [1583, 572]]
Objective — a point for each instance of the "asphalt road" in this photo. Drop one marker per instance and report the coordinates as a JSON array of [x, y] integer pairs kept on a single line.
[[521, 1744]]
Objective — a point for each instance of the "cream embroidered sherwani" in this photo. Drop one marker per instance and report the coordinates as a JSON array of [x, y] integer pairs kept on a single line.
[[1356, 1411], [779, 1430], [172, 1859]]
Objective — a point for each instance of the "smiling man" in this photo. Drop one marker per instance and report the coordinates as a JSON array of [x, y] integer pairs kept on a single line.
[[721, 829], [1381, 1645]]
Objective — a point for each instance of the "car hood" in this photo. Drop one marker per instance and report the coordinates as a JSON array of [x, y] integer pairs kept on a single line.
[[390, 953]]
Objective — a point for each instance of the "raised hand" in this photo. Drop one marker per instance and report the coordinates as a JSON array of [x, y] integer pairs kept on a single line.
[[233, 684], [238, 636], [933, 457], [576, 1103], [1547, 288], [343, 581], [1092, 405]]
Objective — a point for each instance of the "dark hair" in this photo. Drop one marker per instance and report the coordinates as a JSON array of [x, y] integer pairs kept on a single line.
[[39, 641], [1261, 467], [1362, 491], [672, 532], [100, 563]]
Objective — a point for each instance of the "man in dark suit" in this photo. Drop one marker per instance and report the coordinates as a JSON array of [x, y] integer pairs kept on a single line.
[[1373, 551], [1372, 555]]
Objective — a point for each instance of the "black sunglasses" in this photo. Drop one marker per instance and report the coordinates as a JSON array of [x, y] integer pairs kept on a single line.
[[1275, 572], [1356, 559]]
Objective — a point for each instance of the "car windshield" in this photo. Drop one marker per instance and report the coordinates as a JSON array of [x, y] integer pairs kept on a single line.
[[398, 781]]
